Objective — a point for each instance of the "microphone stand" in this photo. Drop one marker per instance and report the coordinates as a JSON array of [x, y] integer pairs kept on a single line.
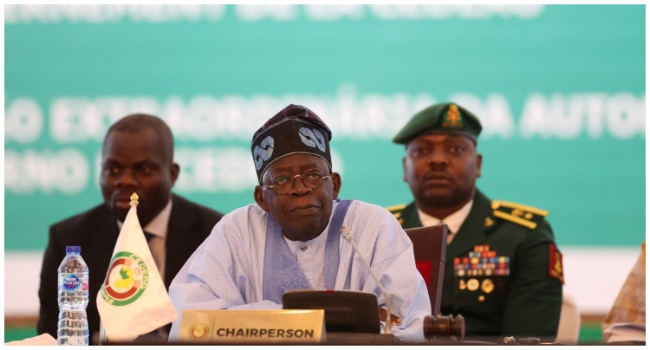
[[348, 236]]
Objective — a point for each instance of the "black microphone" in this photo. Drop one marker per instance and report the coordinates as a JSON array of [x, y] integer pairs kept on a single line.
[[345, 232]]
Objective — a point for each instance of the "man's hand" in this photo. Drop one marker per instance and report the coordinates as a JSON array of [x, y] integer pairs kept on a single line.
[[395, 321]]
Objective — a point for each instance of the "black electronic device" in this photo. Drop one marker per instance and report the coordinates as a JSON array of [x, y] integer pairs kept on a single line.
[[345, 310]]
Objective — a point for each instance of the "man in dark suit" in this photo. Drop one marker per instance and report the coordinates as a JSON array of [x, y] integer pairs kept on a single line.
[[503, 271], [137, 156]]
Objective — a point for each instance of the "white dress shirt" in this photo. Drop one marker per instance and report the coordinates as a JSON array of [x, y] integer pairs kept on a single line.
[[453, 221]]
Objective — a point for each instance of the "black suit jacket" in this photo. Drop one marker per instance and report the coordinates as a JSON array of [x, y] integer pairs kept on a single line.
[[96, 232]]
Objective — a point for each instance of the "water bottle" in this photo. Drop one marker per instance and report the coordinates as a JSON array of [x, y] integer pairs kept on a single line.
[[73, 299]]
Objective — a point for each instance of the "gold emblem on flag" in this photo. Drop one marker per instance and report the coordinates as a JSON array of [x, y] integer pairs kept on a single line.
[[134, 199]]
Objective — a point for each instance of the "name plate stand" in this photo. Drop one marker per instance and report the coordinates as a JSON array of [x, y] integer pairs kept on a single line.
[[253, 326]]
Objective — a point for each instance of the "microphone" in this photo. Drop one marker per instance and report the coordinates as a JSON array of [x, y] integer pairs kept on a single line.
[[345, 232]]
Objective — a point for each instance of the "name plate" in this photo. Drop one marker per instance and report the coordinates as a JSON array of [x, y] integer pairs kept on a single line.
[[252, 326]]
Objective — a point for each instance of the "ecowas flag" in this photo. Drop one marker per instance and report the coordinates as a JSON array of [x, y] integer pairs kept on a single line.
[[133, 300]]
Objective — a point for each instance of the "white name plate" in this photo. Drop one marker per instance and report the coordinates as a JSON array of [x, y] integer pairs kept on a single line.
[[252, 326]]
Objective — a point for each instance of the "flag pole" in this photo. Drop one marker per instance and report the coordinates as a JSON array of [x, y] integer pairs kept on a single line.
[[102, 333]]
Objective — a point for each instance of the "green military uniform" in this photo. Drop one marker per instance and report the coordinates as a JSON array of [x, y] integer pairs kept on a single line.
[[503, 272]]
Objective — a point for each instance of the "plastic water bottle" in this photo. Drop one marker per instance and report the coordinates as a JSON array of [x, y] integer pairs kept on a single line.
[[73, 299]]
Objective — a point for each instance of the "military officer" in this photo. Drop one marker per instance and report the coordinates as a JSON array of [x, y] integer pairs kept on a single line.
[[503, 271]]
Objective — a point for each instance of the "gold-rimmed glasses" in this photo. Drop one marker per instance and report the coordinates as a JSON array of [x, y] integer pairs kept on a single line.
[[311, 178]]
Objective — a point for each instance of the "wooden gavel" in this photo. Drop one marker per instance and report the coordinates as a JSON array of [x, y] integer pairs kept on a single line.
[[437, 326]]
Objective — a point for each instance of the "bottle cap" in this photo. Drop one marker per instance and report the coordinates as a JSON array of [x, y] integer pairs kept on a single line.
[[73, 249]]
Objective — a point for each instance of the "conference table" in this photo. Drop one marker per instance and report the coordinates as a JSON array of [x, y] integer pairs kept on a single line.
[[343, 338]]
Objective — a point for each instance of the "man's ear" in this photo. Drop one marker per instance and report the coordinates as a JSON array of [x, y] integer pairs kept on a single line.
[[174, 171], [336, 182], [404, 169], [259, 197], [479, 163]]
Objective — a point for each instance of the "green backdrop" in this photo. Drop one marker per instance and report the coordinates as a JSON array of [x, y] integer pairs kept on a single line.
[[560, 91]]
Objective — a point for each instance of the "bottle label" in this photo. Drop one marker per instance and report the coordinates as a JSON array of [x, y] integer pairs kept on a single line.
[[73, 283]]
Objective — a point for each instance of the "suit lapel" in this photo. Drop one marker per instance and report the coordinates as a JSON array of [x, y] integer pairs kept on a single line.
[[103, 237], [472, 232]]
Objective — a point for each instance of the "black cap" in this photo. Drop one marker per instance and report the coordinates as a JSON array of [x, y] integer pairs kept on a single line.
[[295, 129]]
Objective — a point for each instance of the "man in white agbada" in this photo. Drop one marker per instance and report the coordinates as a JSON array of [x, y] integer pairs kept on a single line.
[[290, 239]]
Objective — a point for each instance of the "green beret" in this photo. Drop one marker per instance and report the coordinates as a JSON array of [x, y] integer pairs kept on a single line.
[[447, 118]]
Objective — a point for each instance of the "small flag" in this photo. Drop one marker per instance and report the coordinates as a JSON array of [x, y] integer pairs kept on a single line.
[[133, 300]]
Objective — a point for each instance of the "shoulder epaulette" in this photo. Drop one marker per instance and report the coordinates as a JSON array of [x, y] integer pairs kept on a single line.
[[396, 210], [518, 213]]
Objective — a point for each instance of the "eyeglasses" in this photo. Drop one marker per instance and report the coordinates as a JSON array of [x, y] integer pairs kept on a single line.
[[311, 178]]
